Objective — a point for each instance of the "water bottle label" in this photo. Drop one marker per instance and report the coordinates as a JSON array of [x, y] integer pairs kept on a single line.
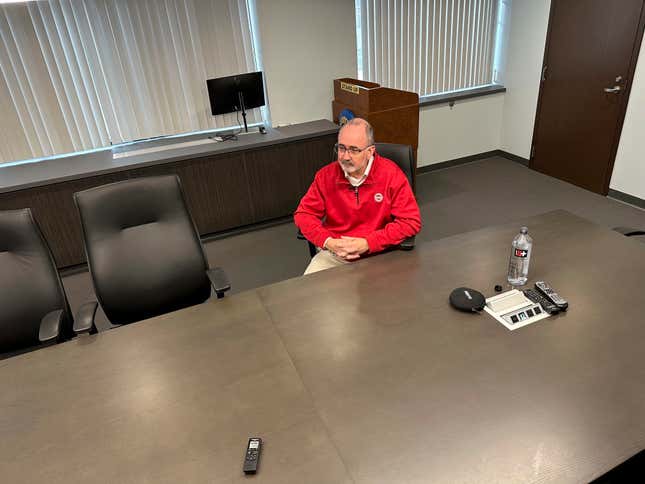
[[523, 253]]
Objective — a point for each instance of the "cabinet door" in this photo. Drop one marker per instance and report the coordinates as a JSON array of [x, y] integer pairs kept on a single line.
[[54, 210], [279, 176], [215, 189]]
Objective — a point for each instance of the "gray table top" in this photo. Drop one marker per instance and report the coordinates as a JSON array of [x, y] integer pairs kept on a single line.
[[361, 373], [29, 175]]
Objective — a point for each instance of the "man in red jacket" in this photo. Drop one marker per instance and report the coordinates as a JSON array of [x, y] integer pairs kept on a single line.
[[361, 204]]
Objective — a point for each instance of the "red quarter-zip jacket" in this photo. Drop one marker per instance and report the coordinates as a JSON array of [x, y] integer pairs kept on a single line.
[[382, 210]]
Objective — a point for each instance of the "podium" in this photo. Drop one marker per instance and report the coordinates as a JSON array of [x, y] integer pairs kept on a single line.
[[393, 114]]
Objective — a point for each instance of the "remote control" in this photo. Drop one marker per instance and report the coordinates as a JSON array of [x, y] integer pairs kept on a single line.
[[252, 455], [536, 297], [548, 292]]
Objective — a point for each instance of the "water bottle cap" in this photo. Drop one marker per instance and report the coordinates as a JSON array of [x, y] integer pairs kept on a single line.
[[524, 230]]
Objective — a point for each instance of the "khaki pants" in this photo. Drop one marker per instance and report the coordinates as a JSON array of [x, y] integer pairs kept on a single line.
[[324, 260]]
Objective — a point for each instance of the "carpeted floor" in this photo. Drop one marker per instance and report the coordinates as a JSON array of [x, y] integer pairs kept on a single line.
[[452, 200]]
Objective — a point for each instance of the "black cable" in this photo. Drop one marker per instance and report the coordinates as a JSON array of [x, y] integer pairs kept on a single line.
[[233, 136]]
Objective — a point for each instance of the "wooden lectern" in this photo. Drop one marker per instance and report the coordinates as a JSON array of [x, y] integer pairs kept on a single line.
[[393, 114]]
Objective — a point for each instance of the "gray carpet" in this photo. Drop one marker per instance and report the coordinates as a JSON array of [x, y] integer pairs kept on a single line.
[[453, 200]]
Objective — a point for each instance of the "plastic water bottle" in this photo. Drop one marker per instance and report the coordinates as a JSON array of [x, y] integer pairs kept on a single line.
[[518, 265]]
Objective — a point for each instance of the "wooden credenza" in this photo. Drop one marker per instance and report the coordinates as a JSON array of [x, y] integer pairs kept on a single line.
[[254, 180]]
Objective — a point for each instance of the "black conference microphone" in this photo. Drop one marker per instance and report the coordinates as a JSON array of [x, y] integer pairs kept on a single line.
[[467, 299]]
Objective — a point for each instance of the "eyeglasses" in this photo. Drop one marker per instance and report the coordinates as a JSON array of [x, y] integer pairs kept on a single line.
[[352, 150]]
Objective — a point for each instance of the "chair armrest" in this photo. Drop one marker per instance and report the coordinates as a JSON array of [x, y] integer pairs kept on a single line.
[[84, 320], [50, 326], [312, 248], [408, 244], [629, 231], [219, 280]]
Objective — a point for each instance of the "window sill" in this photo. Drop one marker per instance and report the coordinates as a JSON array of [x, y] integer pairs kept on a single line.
[[451, 97]]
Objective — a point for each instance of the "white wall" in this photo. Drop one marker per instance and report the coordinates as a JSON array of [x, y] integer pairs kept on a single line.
[[306, 44], [470, 127], [529, 22], [629, 168]]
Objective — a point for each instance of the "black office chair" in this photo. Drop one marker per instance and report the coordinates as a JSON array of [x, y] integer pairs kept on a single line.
[[143, 251], [33, 307], [403, 156], [631, 232]]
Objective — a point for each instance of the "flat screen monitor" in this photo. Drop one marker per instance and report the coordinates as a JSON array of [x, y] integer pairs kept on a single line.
[[227, 94]]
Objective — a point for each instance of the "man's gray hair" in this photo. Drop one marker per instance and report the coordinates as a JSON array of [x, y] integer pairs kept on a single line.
[[369, 131]]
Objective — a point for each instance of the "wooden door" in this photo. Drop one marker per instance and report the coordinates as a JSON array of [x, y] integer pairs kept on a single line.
[[592, 48]]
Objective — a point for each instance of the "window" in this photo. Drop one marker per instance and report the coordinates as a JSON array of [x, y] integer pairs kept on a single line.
[[83, 74], [428, 46]]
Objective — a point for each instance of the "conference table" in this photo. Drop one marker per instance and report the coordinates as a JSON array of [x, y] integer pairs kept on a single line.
[[362, 373]]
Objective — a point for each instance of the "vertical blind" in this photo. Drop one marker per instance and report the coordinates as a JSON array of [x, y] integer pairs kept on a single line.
[[426, 46], [82, 74]]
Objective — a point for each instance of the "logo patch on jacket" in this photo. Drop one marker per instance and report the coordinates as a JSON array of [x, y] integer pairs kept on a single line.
[[378, 197]]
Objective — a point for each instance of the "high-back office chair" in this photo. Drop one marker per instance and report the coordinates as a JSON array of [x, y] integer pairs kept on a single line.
[[403, 156], [143, 251], [33, 307]]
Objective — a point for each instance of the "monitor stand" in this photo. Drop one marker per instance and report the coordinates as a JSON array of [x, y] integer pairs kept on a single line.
[[241, 98]]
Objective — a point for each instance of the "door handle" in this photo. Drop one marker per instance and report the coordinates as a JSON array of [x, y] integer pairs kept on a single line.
[[613, 90]]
